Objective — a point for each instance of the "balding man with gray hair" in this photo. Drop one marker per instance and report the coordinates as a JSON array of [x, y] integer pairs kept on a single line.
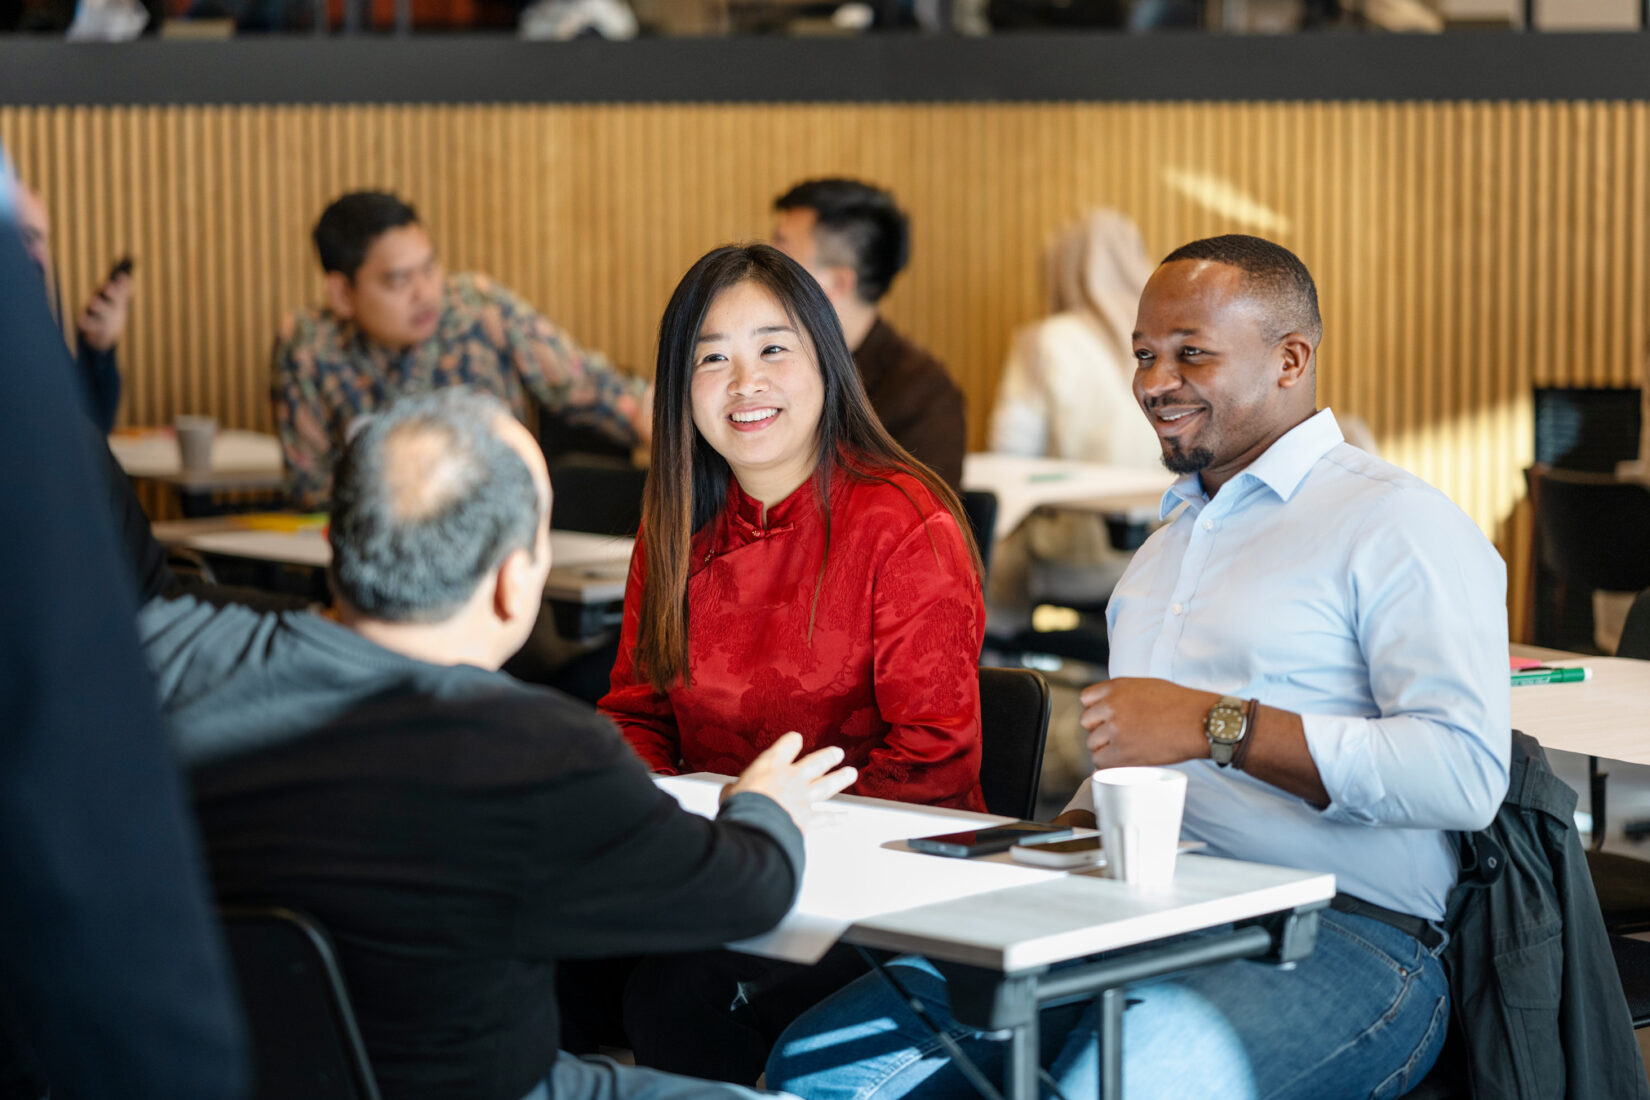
[[456, 830]]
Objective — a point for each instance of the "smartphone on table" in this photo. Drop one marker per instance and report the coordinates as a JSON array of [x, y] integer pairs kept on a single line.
[[1082, 851], [986, 841]]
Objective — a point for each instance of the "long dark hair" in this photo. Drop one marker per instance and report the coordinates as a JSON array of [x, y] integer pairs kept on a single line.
[[687, 484]]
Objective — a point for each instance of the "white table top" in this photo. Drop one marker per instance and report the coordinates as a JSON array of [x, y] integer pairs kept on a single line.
[[1605, 716], [865, 885], [1023, 484], [585, 568], [1082, 913], [239, 459]]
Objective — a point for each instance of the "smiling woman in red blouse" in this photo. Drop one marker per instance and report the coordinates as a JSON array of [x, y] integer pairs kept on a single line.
[[796, 569]]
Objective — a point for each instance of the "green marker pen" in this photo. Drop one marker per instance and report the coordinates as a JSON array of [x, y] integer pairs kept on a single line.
[[1551, 676]]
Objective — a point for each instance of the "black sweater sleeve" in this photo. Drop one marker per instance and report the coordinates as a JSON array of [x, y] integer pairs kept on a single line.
[[629, 871]]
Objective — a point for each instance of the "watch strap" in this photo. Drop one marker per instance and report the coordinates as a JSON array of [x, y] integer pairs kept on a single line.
[[1250, 713]]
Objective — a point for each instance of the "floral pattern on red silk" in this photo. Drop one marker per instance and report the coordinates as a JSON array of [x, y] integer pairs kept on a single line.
[[891, 673]]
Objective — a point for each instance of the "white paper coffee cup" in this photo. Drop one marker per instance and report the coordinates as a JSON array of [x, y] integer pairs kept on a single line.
[[1139, 811], [195, 436]]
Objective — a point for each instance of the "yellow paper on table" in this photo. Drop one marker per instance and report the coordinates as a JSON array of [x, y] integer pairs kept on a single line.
[[290, 522]]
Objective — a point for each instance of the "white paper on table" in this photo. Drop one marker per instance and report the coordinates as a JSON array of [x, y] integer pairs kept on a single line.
[[306, 547], [850, 875]]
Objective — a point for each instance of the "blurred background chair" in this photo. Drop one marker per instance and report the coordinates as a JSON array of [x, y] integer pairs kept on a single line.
[[980, 506], [597, 494], [1592, 529], [1014, 711], [1635, 634], [1593, 532]]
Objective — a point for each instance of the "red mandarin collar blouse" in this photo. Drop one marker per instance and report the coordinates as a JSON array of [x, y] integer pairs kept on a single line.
[[891, 673]]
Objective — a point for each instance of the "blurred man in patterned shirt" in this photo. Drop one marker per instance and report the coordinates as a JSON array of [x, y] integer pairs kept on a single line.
[[395, 324]]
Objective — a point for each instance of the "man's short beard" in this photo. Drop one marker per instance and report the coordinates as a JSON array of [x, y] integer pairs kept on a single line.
[[1187, 462]]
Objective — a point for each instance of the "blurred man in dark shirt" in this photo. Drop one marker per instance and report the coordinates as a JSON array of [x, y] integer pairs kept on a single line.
[[854, 240]]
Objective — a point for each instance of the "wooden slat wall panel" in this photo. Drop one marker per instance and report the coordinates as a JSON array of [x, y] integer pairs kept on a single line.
[[1465, 251]]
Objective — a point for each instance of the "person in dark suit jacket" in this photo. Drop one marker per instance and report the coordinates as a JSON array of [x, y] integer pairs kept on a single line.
[[112, 974], [853, 239]]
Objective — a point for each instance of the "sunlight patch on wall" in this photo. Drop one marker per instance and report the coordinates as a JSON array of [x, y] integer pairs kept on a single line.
[[1223, 198]]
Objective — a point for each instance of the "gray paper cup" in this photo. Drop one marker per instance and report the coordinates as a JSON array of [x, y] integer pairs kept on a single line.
[[195, 436]]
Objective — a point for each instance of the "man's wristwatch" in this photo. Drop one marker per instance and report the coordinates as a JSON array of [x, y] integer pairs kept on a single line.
[[1225, 726]]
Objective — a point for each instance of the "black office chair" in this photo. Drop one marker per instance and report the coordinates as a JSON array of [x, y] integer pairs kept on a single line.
[[304, 1039], [1593, 532], [1623, 882], [597, 494], [184, 562], [1014, 711], [1635, 632], [1633, 964], [980, 506]]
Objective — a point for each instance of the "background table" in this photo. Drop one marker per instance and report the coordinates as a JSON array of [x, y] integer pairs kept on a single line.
[[997, 928], [1606, 716], [241, 462], [586, 581], [1024, 484]]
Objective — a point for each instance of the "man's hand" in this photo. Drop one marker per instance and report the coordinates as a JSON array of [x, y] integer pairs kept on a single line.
[[1154, 722], [797, 785], [103, 321], [1142, 721]]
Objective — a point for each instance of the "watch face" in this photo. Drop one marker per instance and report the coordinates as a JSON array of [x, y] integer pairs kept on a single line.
[[1224, 723]]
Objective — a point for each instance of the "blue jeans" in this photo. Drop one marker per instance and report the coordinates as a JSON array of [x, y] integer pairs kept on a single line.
[[1363, 1016]]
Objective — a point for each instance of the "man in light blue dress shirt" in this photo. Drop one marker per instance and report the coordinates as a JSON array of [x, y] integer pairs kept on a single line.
[[1317, 639]]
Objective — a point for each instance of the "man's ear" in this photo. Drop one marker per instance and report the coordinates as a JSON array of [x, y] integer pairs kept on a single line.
[[1296, 365], [340, 293], [841, 283], [512, 582]]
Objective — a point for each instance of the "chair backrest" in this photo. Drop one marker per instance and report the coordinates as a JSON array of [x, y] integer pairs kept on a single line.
[[1635, 633], [980, 506], [597, 494], [1594, 529], [1014, 710], [304, 1039]]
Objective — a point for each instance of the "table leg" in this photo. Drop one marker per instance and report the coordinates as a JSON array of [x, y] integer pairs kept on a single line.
[[1109, 1007], [1024, 1061]]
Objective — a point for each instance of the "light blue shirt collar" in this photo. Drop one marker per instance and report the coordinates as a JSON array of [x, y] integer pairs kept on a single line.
[[1281, 468]]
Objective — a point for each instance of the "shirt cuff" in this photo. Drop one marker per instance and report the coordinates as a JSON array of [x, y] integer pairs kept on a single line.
[[1341, 748]]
